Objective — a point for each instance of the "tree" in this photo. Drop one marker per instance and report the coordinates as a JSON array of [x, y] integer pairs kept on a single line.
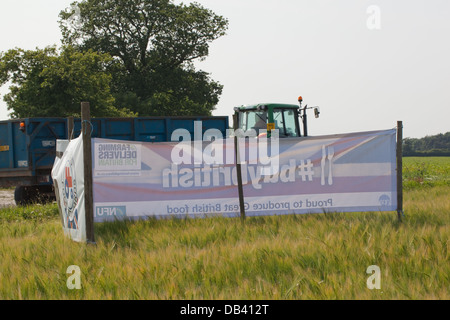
[[437, 145], [51, 82], [153, 44]]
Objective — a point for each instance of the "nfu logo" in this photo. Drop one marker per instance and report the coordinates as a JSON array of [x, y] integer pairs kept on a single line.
[[70, 197], [385, 200], [110, 212]]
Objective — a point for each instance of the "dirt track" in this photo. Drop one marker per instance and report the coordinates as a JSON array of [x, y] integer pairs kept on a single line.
[[7, 198]]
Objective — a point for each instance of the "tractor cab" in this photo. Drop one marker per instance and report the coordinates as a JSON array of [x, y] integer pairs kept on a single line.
[[284, 117]]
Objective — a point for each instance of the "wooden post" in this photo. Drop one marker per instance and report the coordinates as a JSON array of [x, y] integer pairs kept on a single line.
[[69, 128], [399, 170], [86, 130], [238, 168]]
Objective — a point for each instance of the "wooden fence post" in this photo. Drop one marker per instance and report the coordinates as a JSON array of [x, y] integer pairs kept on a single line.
[[238, 168], [86, 131], [399, 170]]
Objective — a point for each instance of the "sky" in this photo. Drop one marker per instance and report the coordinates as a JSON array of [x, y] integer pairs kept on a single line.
[[366, 64]]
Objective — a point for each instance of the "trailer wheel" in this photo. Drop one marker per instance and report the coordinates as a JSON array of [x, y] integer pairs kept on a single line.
[[26, 195], [21, 196], [45, 194]]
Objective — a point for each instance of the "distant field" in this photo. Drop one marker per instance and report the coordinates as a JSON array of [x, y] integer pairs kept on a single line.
[[317, 256], [426, 172]]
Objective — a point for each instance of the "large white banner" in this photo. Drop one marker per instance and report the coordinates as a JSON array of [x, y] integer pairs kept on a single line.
[[68, 180], [338, 173]]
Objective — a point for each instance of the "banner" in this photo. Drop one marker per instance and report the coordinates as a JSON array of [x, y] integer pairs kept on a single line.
[[68, 180], [339, 173]]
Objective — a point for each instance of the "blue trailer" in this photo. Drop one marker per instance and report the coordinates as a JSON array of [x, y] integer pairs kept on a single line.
[[28, 146]]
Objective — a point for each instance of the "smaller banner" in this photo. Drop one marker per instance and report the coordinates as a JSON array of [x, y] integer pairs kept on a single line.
[[68, 180]]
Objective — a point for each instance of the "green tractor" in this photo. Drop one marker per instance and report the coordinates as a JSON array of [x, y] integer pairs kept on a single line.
[[284, 117]]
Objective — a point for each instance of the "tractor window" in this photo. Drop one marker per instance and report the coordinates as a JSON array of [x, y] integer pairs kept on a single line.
[[253, 120], [285, 121], [243, 120], [291, 119]]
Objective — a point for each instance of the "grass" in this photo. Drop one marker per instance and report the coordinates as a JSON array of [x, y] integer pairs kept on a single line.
[[320, 256], [426, 172]]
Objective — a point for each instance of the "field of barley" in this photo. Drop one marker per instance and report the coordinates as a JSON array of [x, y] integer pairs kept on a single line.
[[316, 256]]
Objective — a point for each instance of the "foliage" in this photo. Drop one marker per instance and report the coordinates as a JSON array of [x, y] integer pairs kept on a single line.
[[35, 213], [419, 173], [153, 45], [50, 82], [437, 145], [119, 55]]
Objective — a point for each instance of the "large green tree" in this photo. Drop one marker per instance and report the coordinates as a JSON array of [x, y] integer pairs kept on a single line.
[[51, 82], [153, 44]]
